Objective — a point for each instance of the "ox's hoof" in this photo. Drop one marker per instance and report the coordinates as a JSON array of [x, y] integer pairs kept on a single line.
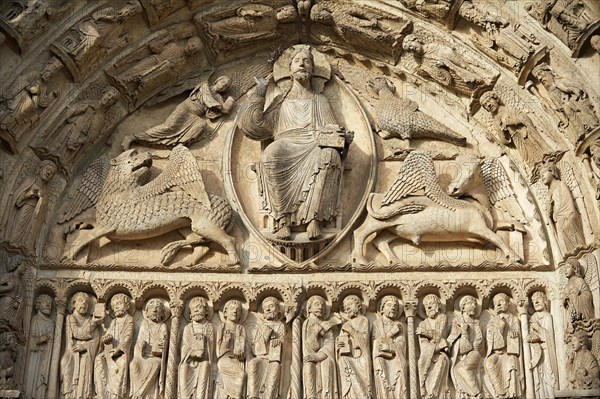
[[359, 260]]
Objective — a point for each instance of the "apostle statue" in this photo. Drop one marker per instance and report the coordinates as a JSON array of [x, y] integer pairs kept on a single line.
[[543, 353], [300, 170], [503, 364], [466, 340], [82, 339], [578, 296], [318, 349], [231, 353], [112, 363], [40, 348], [148, 367], [389, 351], [197, 353], [354, 351], [434, 363]]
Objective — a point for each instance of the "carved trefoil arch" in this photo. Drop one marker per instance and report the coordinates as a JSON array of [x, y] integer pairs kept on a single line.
[[228, 198]]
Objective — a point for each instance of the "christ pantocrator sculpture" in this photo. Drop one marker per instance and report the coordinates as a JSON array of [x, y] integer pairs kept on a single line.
[[301, 169]]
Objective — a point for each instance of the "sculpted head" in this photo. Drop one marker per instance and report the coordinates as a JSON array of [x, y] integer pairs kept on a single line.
[[232, 310], [501, 302], [222, 84], [543, 73], [595, 42], [595, 151], [270, 308], [432, 305], [155, 310], [413, 44], [549, 173], [119, 304], [109, 97], [390, 307], [47, 170], [579, 340], [302, 64], [468, 305], [43, 304], [316, 306], [80, 302], [352, 305], [198, 309], [193, 45], [131, 168], [572, 268], [490, 102], [539, 301]]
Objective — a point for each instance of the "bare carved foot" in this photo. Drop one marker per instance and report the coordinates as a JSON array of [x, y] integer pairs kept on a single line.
[[284, 233], [313, 230]]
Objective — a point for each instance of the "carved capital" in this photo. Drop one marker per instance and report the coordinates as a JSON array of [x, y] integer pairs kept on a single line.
[[522, 303], [176, 307], [410, 307]]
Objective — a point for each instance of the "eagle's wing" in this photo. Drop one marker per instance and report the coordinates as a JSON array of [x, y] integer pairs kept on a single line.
[[89, 189], [499, 190], [182, 172], [416, 174]]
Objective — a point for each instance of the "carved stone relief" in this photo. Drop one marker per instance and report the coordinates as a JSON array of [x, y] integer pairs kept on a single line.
[[295, 179]]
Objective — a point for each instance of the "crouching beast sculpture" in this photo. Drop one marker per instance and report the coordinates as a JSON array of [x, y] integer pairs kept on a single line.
[[417, 209], [129, 207]]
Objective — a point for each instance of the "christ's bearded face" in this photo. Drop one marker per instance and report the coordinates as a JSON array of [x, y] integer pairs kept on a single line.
[[302, 66]]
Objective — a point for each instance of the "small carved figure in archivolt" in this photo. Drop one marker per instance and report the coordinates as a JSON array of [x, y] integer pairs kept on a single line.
[[443, 64], [149, 364], [437, 9], [389, 351], [8, 360], [503, 361], [188, 122], [583, 371], [434, 363], [466, 341], [578, 298], [353, 347], [177, 197], [40, 348], [197, 353], [82, 339], [111, 368], [12, 306], [543, 350], [400, 117], [264, 371], [417, 209]]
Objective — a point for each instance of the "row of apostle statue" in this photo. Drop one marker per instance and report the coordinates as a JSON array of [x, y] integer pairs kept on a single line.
[[351, 354]]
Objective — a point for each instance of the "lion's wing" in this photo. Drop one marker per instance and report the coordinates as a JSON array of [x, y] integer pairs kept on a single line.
[[416, 174], [182, 172], [89, 189], [499, 190]]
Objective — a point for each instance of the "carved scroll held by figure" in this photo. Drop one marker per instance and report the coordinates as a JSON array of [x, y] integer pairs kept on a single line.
[[8, 360], [112, 363], [441, 62], [83, 337], [123, 204], [318, 351], [264, 371], [466, 340], [389, 351], [543, 350], [12, 287], [22, 102], [231, 353], [578, 298], [94, 39], [400, 117], [30, 207], [416, 209], [353, 349], [301, 169], [583, 371], [513, 128], [434, 363], [570, 100], [237, 27], [189, 121], [371, 30], [149, 364], [40, 348], [197, 353], [561, 210], [503, 361]]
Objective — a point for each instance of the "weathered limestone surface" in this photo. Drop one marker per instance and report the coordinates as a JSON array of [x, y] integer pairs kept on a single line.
[[349, 199]]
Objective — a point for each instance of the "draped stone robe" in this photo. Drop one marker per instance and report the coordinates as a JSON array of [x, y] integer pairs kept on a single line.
[[147, 369], [389, 365], [466, 355], [231, 337], [319, 378], [197, 352], [543, 356], [264, 371], [434, 363], [39, 356]]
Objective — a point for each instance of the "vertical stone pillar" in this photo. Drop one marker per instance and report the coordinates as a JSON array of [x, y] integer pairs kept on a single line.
[[296, 368], [522, 309], [61, 307], [410, 309], [171, 386]]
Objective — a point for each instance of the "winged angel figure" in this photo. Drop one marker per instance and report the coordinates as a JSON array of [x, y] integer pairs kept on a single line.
[[417, 209], [129, 207]]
